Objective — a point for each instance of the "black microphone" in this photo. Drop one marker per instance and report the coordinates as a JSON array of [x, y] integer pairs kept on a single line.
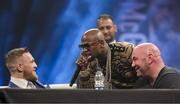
[[82, 61], [75, 75]]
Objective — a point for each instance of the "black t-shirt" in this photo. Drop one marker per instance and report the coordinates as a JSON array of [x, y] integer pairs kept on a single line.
[[168, 78], [142, 83]]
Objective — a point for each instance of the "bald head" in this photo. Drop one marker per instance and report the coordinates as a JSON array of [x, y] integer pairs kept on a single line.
[[93, 40], [147, 48], [147, 59], [92, 35]]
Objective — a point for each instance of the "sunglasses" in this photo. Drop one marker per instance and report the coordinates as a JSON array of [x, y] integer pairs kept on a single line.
[[84, 45], [95, 43]]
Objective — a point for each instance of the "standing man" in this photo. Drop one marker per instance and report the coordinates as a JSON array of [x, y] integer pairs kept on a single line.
[[22, 68], [106, 25], [147, 59]]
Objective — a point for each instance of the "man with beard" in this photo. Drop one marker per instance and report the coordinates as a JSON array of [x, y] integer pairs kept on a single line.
[[114, 59], [22, 68], [85, 63], [106, 25], [147, 60]]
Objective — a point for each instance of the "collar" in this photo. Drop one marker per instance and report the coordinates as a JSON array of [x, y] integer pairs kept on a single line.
[[22, 83], [114, 41], [158, 76]]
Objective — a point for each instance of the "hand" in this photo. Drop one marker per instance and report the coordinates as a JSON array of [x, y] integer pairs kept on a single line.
[[83, 61]]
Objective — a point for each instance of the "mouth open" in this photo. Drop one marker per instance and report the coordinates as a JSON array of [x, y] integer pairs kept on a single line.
[[136, 68]]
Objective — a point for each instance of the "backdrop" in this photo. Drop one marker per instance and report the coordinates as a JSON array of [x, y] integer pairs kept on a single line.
[[52, 29]]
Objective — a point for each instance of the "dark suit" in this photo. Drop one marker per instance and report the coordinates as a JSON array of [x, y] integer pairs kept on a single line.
[[36, 83]]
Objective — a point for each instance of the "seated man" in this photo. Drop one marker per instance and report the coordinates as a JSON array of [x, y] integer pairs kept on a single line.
[[114, 59], [147, 60], [22, 68]]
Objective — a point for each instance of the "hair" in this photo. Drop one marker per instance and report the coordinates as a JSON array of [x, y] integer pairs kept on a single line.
[[12, 56], [104, 17]]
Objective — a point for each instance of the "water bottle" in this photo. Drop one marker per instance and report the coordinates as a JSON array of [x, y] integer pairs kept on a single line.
[[99, 80]]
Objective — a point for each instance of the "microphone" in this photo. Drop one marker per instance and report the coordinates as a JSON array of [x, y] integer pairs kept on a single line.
[[75, 75], [81, 62]]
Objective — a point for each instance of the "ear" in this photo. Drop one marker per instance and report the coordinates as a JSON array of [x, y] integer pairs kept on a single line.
[[115, 27], [150, 58], [20, 67]]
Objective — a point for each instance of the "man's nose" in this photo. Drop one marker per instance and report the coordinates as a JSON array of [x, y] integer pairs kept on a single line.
[[105, 31], [35, 65]]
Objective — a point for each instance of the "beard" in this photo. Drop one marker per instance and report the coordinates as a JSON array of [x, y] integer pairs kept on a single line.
[[108, 39], [145, 69], [32, 76], [139, 74]]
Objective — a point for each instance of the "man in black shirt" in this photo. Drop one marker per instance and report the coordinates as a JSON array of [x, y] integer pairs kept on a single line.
[[147, 59]]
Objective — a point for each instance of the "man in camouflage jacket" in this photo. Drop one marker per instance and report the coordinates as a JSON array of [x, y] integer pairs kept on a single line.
[[114, 59]]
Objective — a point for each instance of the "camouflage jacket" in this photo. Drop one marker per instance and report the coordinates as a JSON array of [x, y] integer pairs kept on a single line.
[[122, 74]]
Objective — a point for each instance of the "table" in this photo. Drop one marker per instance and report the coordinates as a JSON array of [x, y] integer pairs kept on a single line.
[[89, 96]]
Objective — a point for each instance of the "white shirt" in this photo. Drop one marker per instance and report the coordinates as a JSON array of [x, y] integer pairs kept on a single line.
[[22, 83]]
